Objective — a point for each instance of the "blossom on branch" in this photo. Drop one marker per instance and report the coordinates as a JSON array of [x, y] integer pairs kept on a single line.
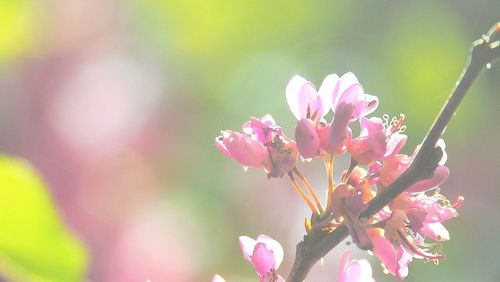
[[398, 233]]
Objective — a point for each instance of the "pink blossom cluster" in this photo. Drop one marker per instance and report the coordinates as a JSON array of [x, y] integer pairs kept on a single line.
[[266, 255], [399, 232]]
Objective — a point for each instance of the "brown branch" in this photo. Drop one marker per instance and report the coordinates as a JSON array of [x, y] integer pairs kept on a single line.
[[315, 246]]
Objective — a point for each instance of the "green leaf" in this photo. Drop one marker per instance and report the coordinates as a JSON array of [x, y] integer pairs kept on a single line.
[[35, 245]]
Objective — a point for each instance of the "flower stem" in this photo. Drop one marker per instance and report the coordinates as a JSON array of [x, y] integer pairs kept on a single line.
[[302, 194], [309, 189]]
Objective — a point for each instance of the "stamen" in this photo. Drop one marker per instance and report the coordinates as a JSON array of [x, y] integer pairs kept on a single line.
[[459, 202], [302, 194], [331, 183], [397, 124], [328, 161], [409, 244], [385, 118], [309, 189]]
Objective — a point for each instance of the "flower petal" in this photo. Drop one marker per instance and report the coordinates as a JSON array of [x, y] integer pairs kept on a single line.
[[440, 175], [310, 103], [436, 231], [219, 144], [293, 90], [344, 261], [371, 104], [338, 134], [247, 245], [308, 142], [345, 81], [384, 251], [263, 259], [274, 246], [395, 143], [262, 129], [404, 259], [328, 92], [352, 96], [244, 149]]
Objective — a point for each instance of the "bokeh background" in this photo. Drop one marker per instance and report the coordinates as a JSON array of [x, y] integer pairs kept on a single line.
[[116, 105]]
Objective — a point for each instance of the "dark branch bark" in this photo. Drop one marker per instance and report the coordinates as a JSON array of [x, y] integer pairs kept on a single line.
[[316, 246]]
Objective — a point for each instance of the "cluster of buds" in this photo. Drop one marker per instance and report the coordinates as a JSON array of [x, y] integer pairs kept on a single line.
[[398, 233]]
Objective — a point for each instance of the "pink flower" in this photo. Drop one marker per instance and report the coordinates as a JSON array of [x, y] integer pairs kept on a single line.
[[354, 270], [396, 164], [436, 209], [242, 148], [261, 146], [348, 102], [344, 95], [350, 94], [376, 141], [265, 254], [413, 218], [307, 106]]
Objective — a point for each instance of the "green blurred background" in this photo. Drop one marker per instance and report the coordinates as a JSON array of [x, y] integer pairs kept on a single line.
[[116, 104]]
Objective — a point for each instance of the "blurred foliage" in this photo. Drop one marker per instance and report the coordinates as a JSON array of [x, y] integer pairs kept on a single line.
[[18, 28], [34, 244]]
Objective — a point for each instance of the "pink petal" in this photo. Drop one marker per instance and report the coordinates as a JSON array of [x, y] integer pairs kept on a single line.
[[435, 211], [372, 144], [217, 278], [293, 90], [244, 149], [308, 142], [358, 271], [344, 260], [355, 270], [352, 96], [339, 134], [219, 144], [274, 246], [334, 140], [436, 231], [366, 271], [384, 251], [404, 259], [247, 245], [263, 259], [395, 143], [440, 175], [371, 104], [310, 103], [371, 126], [261, 129], [345, 81], [328, 92]]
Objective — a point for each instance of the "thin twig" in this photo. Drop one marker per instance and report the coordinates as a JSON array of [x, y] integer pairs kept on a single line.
[[315, 246]]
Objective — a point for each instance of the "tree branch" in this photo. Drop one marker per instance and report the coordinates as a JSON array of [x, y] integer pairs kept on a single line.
[[315, 246]]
